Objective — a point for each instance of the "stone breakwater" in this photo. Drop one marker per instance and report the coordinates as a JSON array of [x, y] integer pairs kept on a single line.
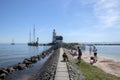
[[26, 63], [74, 72], [48, 70]]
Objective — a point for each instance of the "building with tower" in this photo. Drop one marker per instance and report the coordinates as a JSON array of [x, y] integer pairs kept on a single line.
[[57, 39]]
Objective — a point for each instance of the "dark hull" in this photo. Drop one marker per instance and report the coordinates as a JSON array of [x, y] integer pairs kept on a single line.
[[32, 44], [12, 43]]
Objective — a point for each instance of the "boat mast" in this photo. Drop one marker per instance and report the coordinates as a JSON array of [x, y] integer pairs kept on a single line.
[[12, 40], [34, 33], [30, 36]]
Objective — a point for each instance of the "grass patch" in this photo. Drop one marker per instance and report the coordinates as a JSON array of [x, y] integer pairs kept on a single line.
[[93, 73]]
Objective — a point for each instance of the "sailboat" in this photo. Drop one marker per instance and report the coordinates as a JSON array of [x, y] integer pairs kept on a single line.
[[12, 42], [34, 42]]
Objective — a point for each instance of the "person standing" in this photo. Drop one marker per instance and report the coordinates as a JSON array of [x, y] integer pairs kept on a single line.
[[79, 54], [90, 50], [95, 53]]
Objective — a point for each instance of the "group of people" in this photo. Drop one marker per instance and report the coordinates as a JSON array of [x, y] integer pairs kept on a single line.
[[93, 59]]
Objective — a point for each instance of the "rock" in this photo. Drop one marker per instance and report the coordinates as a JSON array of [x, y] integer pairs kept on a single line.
[[10, 69], [2, 76], [43, 55], [3, 70], [21, 66], [15, 67], [28, 59], [3, 73], [40, 56], [34, 59], [28, 63]]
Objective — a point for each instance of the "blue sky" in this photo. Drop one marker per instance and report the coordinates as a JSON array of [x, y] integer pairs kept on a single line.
[[75, 20]]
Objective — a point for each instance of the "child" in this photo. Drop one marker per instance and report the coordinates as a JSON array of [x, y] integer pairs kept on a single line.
[[92, 60]]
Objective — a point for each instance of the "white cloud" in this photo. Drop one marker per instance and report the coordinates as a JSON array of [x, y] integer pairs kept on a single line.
[[107, 12]]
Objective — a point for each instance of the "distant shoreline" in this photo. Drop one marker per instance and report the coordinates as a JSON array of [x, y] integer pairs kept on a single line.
[[103, 44]]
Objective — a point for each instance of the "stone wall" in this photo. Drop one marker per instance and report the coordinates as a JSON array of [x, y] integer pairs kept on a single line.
[[48, 70]]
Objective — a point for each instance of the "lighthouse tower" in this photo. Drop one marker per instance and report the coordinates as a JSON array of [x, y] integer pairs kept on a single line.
[[54, 36]]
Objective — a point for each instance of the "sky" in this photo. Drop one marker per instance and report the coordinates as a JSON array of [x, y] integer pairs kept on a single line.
[[75, 20]]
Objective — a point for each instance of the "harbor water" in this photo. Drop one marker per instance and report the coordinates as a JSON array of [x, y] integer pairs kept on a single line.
[[12, 54], [107, 51]]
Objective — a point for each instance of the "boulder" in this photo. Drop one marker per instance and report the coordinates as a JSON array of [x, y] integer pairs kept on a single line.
[[27, 62], [34, 59], [3, 70], [28, 59], [43, 55], [15, 67], [21, 66], [2, 76], [10, 69], [39, 57], [3, 73]]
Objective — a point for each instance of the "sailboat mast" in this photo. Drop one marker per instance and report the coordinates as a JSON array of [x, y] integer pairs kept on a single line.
[[12, 40], [30, 36], [34, 33]]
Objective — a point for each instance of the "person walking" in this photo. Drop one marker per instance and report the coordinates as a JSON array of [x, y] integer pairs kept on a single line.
[[79, 54], [95, 53]]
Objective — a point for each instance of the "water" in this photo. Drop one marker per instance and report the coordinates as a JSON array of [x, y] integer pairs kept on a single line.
[[12, 54], [27, 73], [108, 51]]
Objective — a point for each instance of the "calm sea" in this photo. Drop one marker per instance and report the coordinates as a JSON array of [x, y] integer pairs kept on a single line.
[[108, 51], [12, 54]]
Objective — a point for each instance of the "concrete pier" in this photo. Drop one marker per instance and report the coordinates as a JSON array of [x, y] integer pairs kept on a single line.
[[62, 71]]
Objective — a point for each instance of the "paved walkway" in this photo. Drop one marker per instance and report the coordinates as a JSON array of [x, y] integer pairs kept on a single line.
[[61, 72]]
